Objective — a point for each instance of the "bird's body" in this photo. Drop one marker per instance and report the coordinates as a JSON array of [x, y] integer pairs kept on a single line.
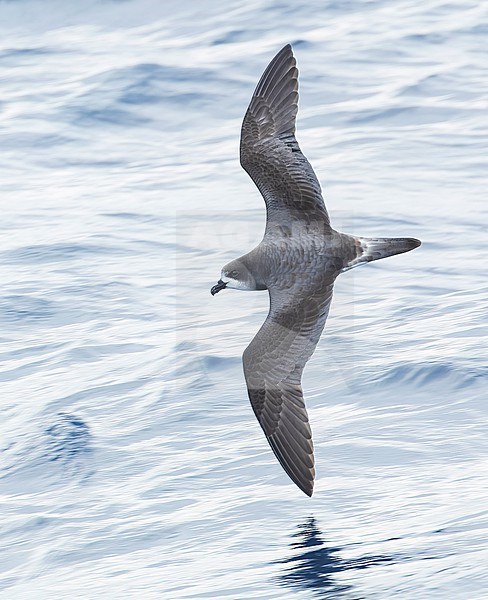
[[297, 261]]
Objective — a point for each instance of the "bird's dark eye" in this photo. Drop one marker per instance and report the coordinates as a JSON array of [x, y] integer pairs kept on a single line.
[[234, 274]]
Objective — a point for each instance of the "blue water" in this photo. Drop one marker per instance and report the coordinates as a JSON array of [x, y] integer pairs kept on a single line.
[[131, 463]]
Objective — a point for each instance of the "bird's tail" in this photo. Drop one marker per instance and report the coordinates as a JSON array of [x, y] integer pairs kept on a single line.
[[369, 249]]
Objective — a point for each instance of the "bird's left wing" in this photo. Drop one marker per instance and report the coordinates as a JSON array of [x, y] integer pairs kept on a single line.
[[273, 365]]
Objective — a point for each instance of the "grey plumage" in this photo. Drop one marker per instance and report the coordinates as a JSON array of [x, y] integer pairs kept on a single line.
[[297, 261]]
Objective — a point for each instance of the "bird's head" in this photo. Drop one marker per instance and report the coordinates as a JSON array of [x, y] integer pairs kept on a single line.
[[235, 275]]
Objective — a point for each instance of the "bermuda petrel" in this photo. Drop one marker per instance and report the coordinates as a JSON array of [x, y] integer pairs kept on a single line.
[[297, 261]]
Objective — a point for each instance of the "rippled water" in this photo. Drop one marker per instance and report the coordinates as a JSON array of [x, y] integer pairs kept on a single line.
[[131, 463]]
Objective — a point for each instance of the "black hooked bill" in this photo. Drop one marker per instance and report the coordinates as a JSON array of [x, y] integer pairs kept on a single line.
[[216, 288]]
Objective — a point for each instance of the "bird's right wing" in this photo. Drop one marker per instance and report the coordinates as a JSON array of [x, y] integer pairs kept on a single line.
[[273, 365], [269, 151]]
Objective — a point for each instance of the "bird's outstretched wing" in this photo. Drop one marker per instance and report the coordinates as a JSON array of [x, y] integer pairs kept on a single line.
[[269, 151], [273, 365]]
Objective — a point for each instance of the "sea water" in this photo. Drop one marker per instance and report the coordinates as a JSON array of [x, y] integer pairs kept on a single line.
[[131, 463]]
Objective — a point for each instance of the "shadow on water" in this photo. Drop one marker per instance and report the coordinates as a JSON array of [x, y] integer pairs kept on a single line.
[[315, 565], [67, 438], [36, 460]]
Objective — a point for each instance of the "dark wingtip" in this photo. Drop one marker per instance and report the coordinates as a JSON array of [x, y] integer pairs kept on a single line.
[[302, 478], [415, 243], [305, 486], [287, 49]]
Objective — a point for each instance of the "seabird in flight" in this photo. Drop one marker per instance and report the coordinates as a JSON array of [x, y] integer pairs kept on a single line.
[[297, 261]]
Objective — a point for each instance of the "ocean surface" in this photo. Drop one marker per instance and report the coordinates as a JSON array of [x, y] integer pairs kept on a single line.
[[131, 464]]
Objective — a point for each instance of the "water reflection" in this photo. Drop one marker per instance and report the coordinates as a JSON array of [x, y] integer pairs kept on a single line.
[[315, 564]]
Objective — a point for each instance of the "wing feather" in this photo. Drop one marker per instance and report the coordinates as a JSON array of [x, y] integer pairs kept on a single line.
[[273, 366], [270, 153]]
